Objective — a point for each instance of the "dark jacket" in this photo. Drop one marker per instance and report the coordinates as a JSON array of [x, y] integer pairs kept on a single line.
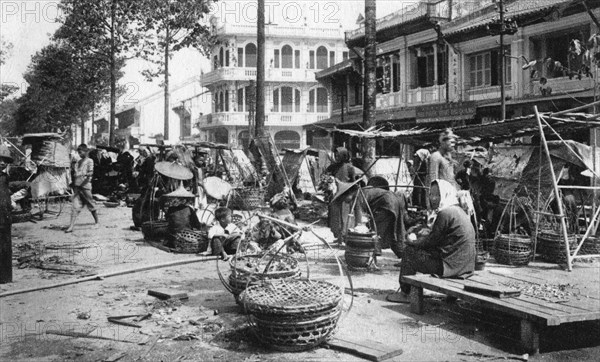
[[453, 237]]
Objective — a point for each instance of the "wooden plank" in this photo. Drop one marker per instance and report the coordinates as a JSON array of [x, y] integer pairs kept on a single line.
[[166, 293], [492, 290], [522, 307], [582, 304], [417, 305], [493, 303], [367, 349]]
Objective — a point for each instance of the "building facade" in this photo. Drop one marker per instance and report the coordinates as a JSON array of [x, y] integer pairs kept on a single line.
[[293, 97], [439, 67]]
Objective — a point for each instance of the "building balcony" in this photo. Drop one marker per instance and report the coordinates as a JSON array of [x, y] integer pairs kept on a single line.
[[426, 95], [224, 119], [275, 31], [564, 84], [488, 93], [271, 75]]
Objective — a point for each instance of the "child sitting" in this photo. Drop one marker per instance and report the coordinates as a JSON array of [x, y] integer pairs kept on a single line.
[[224, 235]]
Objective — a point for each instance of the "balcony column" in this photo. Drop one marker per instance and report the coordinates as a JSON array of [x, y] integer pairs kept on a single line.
[[435, 71], [520, 79]]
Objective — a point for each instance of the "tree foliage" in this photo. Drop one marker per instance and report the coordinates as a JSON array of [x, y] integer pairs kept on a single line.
[[170, 25], [107, 30], [64, 85], [5, 88]]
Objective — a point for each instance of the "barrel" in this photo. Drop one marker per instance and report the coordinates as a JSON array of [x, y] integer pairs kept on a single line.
[[360, 240]]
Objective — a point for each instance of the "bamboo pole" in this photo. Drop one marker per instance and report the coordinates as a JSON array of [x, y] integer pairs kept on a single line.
[[563, 224], [111, 274]]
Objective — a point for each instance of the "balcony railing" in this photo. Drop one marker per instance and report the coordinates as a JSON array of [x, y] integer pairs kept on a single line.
[[272, 119], [272, 74], [273, 31], [488, 93]]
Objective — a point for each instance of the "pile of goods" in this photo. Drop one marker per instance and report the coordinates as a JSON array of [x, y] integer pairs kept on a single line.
[[551, 246], [555, 293], [513, 249], [293, 315], [311, 211], [248, 198], [251, 269], [360, 247]]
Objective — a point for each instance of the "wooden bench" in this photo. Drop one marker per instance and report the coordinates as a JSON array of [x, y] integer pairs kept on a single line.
[[534, 313]]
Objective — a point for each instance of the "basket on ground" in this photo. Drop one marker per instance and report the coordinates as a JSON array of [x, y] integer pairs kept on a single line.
[[155, 230], [513, 249], [293, 314], [551, 246], [190, 241], [360, 249], [247, 198]]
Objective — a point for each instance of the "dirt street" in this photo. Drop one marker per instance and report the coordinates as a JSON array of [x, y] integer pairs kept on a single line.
[[209, 325]]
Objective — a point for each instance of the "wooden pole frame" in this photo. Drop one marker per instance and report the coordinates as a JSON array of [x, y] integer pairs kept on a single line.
[[562, 216]]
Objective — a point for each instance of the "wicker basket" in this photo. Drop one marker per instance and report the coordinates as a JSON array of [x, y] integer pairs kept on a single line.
[[155, 230], [513, 249], [242, 276], [591, 246], [551, 246], [247, 198], [293, 315], [190, 241]]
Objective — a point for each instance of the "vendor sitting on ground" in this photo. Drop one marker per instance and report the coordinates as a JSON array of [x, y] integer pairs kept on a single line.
[[448, 250], [180, 214], [224, 235]]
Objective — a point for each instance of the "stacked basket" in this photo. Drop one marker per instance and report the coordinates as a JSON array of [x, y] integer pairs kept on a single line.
[[251, 269], [293, 315], [360, 249], [551, 246], [513, 249]]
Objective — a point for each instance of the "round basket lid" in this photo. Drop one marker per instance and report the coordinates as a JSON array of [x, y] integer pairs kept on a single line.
[[173, 170], [216, 188], [291, 296]]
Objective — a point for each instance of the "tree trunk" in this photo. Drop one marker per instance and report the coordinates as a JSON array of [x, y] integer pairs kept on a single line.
[[113, 77], [167, 94], [259, 121], [368, 145]]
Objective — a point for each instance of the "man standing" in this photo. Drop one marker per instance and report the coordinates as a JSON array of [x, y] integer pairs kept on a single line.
[[82, 187], [441, 163], [5, 218]]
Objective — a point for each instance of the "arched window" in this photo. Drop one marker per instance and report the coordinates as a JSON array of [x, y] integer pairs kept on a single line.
[[221, 57], [240, 100], [227, 57], [322, 100], [250, 55], [287, 57], [287, 139], [226, 101], [250, 97], [220, 102], [317, 100], [286, 99], [321, 57]]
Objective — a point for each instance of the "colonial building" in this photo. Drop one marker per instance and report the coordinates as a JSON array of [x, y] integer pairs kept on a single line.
[[293, 97], [439, 67], [142, 120]]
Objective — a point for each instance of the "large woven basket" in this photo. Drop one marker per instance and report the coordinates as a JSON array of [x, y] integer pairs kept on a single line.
[[155, 230], [293, 315], [247, 198], [551, 246], [513, 249], [190, 241], [591, 246], [250, 270]]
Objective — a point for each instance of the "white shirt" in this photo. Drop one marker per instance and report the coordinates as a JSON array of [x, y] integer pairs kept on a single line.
[[218, 230]]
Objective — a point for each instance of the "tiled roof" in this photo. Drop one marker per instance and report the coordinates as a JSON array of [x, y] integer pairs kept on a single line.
[[514, 10]]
